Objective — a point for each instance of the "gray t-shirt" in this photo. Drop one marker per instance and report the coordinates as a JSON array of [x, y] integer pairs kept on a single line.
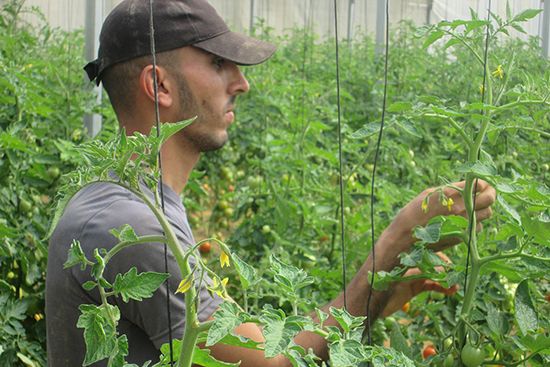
[[89, 216]]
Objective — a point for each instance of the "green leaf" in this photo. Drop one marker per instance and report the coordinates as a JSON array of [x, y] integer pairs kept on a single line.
[[452, 41], [511, 211], [227, 318], [366, 131], [497, 320], [474, 24], [518, 28], [247, 274], [414, 257], [432, 37], [202, 357], [429, 234], [346, 321], [525, 313], [133, 286], [400, 107], [99, 331], [509, 14], [289, 277], [455, 277], [76, 256], [124, 233], [344, 353], [526, 15], [409, 127], [399, 342], [61, 201], [278, 331]]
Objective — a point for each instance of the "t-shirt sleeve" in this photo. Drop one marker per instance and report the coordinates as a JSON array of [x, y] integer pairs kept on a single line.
[[150, 314]]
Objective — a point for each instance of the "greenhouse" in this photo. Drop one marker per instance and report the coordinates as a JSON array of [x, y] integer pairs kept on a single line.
[[287, 183]]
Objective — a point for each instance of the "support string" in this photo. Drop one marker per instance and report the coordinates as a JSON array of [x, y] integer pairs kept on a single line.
[[161, 188], [340, 153], [369, 337]]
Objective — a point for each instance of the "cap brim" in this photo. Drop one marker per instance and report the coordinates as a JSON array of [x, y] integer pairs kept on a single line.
[[239, 48]]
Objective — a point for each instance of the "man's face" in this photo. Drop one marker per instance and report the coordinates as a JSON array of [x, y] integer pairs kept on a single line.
[[208, 87]]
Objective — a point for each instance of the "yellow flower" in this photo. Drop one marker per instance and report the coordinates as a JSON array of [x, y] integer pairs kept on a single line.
[[219, 288], [184, 286], [481, 89], [425, 205], [498, 72], [224, 259], [448, 202]]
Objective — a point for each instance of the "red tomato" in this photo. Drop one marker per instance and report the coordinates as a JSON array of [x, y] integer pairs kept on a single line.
[[428, 351], [205, 247]]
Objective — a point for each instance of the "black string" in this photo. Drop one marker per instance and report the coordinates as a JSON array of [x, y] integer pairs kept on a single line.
[[473, 225], [369, 338], [340, 153], [161, 189]]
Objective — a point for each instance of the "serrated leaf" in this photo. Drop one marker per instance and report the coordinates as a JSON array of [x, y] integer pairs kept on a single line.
[[414, 257], [452, 41], [518, 28], [61, 201], [511, 211], [344, 353], [366, 131], [509, 14], [422, 30], [399, 342], [346, 321], [247, 274], [497, 320], [400, 107], [432, 37], [525, 313], [226, 319], [429, 234], [202, 357], [289, 277], [124, 233], [99, 331], [455, 277], [76, 256], [526, 15], [278, 331], [133, 286], [409, 127]]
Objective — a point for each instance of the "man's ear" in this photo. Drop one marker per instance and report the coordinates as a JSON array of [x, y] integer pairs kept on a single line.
[[165, 85]]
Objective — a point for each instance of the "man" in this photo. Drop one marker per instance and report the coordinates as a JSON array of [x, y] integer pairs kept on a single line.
[[196, 75]]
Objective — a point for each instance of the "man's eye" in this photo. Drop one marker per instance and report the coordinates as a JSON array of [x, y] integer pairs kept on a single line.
[[219, 62]]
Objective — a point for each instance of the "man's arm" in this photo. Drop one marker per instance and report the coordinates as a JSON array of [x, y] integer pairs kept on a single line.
[[397, 238]]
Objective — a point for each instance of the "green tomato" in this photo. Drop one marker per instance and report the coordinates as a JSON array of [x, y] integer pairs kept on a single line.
[[223, 204], [472, 356], [545, 167], [253, 182], [389, 322], [437, 296], [53, 172], [266, 229], [449, 360], [228, 212], [24, 206]]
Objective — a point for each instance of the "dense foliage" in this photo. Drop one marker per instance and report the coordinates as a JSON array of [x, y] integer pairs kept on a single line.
[[274, 189]]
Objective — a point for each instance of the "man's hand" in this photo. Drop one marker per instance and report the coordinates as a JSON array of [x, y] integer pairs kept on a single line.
[[412, 214]]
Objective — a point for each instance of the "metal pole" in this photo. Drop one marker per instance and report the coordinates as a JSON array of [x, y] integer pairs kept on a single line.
[[351, 18], [546, 28], [252, 15], [93, 22], [380, 26]]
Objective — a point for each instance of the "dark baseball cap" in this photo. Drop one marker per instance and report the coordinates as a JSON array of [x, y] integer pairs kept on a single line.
[[177, 23]]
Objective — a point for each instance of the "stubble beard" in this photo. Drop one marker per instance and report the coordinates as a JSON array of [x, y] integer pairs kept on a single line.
[[202, 141]]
